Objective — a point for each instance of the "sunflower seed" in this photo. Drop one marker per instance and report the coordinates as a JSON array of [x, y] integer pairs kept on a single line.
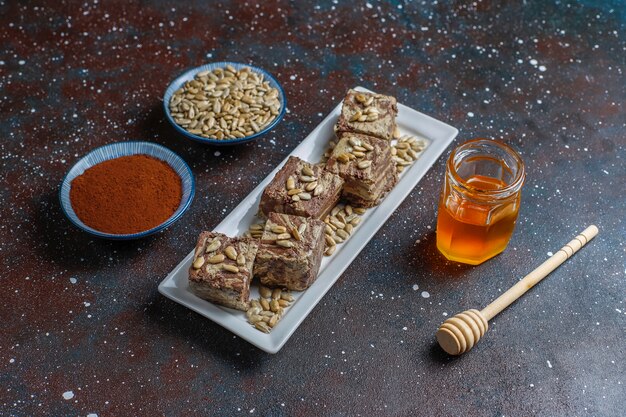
[[356, 116], [230, 268], [344, 158], [283, 236], [318, 190], [231, 252], [369, 101], [311, 186], [254, 310], [342, 234], [213, 246], [329, 240], [364, 164], [283, 303], [354, 142], [358, 154], [295, 197], [278, 229], [216, 259], [330, 250], [197, 264], [255, 318], [302, 228], [285, 243], [360, 98], [328, 230], [276, 293], [241, 259], [296, 234], [307, 171], [265, 304], [337, 223], [304, 196], [294, 191], [291, 183], [265, 292], [307, 178], [262, 326], [359, 210], [349, 227], [274, 320], [355, 221], [396, 133], [274, 306], [286, 296]]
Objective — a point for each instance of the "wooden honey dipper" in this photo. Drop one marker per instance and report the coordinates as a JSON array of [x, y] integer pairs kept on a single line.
[[460, 333]]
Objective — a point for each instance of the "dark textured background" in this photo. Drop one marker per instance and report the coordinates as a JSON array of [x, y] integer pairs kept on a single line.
[[83, 315]]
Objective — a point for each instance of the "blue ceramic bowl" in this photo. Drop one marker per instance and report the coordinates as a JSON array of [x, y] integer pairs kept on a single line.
[[190, 74], [116, 150]]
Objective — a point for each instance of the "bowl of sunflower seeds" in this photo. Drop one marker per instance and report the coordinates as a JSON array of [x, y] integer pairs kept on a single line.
[[224, 103]]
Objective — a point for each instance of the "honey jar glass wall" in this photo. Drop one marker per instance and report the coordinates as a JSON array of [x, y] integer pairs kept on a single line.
[[480, 201]]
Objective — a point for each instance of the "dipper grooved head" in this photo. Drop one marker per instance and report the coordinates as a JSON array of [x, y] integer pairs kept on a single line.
[[460, 333]]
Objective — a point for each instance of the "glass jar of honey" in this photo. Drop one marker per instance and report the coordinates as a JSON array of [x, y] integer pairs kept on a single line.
[[480, 201]]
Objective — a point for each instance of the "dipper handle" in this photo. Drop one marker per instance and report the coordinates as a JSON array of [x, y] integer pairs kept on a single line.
[[530, 280], [460, 333]]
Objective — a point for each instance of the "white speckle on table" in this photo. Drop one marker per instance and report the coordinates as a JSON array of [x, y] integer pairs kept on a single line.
[[92, 415], [425, 294], [470, 114], [11, 360], [415, 287], [532, 385], [549, 364], [68, 395], [217, 153], [293, 77], [73, 280], [550, 254], [404, 328], [533, 62], [21, 62], [445, 314], [542, 68], [86, 303]]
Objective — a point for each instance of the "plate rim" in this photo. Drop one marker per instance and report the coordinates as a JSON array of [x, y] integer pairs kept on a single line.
[[66, 183], [272, 342]]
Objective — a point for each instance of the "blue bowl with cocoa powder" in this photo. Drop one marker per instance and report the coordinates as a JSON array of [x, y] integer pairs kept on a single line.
[[116, 150]]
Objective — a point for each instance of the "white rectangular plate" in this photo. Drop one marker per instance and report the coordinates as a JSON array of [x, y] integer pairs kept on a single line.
[[410, 122]]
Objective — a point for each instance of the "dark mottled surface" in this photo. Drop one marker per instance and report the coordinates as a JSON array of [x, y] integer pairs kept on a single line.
[[82, 317]]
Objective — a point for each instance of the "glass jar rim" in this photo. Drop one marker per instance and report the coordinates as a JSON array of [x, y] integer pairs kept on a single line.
[[501, 193]]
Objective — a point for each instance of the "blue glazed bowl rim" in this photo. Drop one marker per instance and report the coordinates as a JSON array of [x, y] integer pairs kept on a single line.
[[73, 218], [184, 76]]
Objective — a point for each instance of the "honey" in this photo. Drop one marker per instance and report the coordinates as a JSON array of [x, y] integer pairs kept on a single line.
[[480, 201]]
